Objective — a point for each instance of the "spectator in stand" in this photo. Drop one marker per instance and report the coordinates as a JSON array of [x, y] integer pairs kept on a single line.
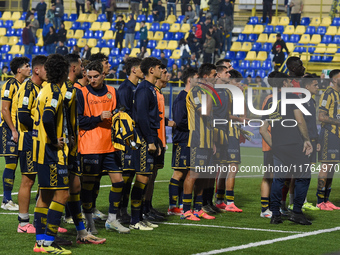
[[267, 9], [214, 8], [279, 58], [227, 8], [287, 6], [41, 10], [4, 73], [143, 38], [247, 80], [281, 42], [61, 49], [94, 5], [111, 7], [130, 33], [112, 75], [25, 5], [158, 12], [184, 6], [46, 28], [62, 33], [120, 24], [104, 2], [189, 15], [217, 35], [172, 5], [34, 25], [122, 74], [28, 14], [193, 62], [50, 15], [143, 53], [205, 27], [260, 83], [174, 70], [28, 39], [185, 51], [135, 7], [226, 24], [193, 41], [123, 63], [145, 7], [80, 4], [164, 59], [76, 50], [208, 48], [87, 52], [297, 7], [51, 41], [197, 7], [58, 14]]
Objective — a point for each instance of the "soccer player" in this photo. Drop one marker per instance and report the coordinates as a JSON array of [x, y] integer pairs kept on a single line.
[[21, 68], [126, 93], [296, 70], [291, 147], [226, 63], [146, 115], [50, 154], [96, 102], [329, 138], [22, 115], [83, 82], [180, 150]]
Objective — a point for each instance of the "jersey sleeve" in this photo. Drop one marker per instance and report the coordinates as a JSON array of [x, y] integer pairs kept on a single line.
[[325, 101], [54, 100], [26, 99], [9, 90]]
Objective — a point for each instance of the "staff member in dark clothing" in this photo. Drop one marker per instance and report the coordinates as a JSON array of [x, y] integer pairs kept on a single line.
[[267, 9], [279, 58], [120, 24], [281, 42]]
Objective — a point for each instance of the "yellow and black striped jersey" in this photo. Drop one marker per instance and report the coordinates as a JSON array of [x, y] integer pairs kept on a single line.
[[50, 99], [233, 129], [330, 103], [8, 91], [200, 126], [23, 102]]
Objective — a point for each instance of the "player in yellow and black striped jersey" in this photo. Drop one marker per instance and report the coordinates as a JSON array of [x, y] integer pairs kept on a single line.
[[22, 115], [9, 134]]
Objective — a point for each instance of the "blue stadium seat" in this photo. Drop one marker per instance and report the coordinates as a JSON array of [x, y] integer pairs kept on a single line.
[[101, 43], [336, 22], [1, 65], [43, 51], [338, 51], [285, 37], [8, 58], [155, 27], [76, 25], [245, 64], [267, 47], [261, 73], [10, 31], [170, 62], [251, 73], [321, 30], [18, 55], [165, 27], [115, 52], [113, 26], [20, 41], [241, 38], [178, 62], [65, 16], [137, 35], [36, 15], [235, 64], [267, 65], [138, 44], [294, 39], [102, 18], [98, 34], [8, 24], [315, 58], [36, 50], [110, 43], [252, 38], [88, 34], [326, 39], [253, 20], [73, 17], [326, 58], [256, 47], [299, 49], [19, 32], [1, 23], [180, 19], [240, 55], [305, 21], [71, 42], [4, 49], [23, 16], [178, 36], [266, 22], [115, 62], [167, 53], [268, 29], [336, 39], [311, 49], [150, 19], [152, 44], [85, 26], [125, 51], [310, 30], [230, 55], [168, 36], [114, 17], [279, 29], [256, 64], [141, 18], [110, 60], [156, 53]]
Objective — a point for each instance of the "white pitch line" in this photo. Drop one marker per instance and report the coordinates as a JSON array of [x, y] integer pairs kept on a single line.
[[237, 228], [271, 241]]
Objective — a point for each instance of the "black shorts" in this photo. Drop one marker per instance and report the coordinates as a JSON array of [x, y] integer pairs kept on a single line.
[[330, 147], [221, 155], [200, 157], [159, 159], [143, 161], [52, 176], [8, 147], [27, 166], [126, 158], [96, 164], [180, 156], [73, 165], [234, 155]]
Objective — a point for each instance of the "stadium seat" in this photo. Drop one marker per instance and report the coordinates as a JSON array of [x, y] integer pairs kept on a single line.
[[275, 21], [18, 24], [263, 38], [15, 49], [155, 27], [185, 28], [88, 34], [321, 30], [4, 49], [320, 48], [75, 25], [176, 54], [95, 50], [261, 73], [105, 26], [101, 43], [141, 18], [125, 51], [78, 34], [134, 52], [10, 32], [158, 36], [150, 19], [171, 19], [178, 36], [305, 21], [110, 43], [98, 34], [331, 30], [326, 21], [256, 47], [294, 38], [151, 44], [2, 31], [285, 37], [81, 43], [23, 16], [251, 55], [85, 26], [245, 64], [284, 21], [290, 46], [279, 29], [311, 48], [272, 38], [108, 35], [167, 53], [241, 38], [258, 29], [180, 19], [171, 62], [156, 53], [92, 43], [326, 58], [336, 22], [256, 65], [246, 46], [40, 42], [305, 39], [68, 25], [240, 55], [268, 29], [316, 39], [253, 20], [115, 52], [267, 47], [36, 50], [331, 48], [174, 28], [251, 73], [6, 16], [236, 46], [82, 18], [310, 30], [172, 45], [315, 21], [95, 26], [92, 17], [230, 55], [101, 18], [248, 29], [162, 45], [289, 30], [315, 58], [336, 39], [326, 39], [299, 49], [165, 27], [252, 38], [13, 40], [8, 24], [262, 56], [73, 17], [235, 63], [267, 65], [71, 42], [300, 30], [336, 58]]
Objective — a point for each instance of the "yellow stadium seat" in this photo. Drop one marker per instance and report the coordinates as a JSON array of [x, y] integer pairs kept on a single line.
[[148, 25], [320, 48], [95, 50], [331, 48], [305, 56], [315, 21], [92, 17], [290, 47], [82, 17], [13, 40], [176, 54], [134, 52], [172, 45], [39, 32], [69, 34], [327, 21], [22, 50], [316, 39], [236, 46], [81, 43], [171, 19], [262, 56], [275, 21], [16, 16], [79, 34], [18, 24], [246, 46], [40, 42], [272, 38], [95, 26], [105, 26], [92, 43], [263, 38], [248, 29], [185, 28], [3, 40], [158, 36], [108, 35], [289, 30], [105, 51], [6, 16], [150, 35], [174, 28], [2, 31], [332, 30], [68, 25], [304, 39], [186, 35], [251, 55], [336, 58], [137, 27], [258, 29], [284, 21], [300, 30], [295, 54], [162, 45], [15, 49]]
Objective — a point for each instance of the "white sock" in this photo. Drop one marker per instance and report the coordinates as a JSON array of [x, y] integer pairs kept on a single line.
[[47, 243], [305, 200], [24, 216], [112, 217], [229, 203], [291, 198]]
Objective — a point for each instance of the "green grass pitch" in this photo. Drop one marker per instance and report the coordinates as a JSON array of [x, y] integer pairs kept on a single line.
[[183, 237]]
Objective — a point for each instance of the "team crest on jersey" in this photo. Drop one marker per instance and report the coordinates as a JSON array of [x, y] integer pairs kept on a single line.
[[65, 180], [12, 149], [109, 96], [232, 156], [333, 156]]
